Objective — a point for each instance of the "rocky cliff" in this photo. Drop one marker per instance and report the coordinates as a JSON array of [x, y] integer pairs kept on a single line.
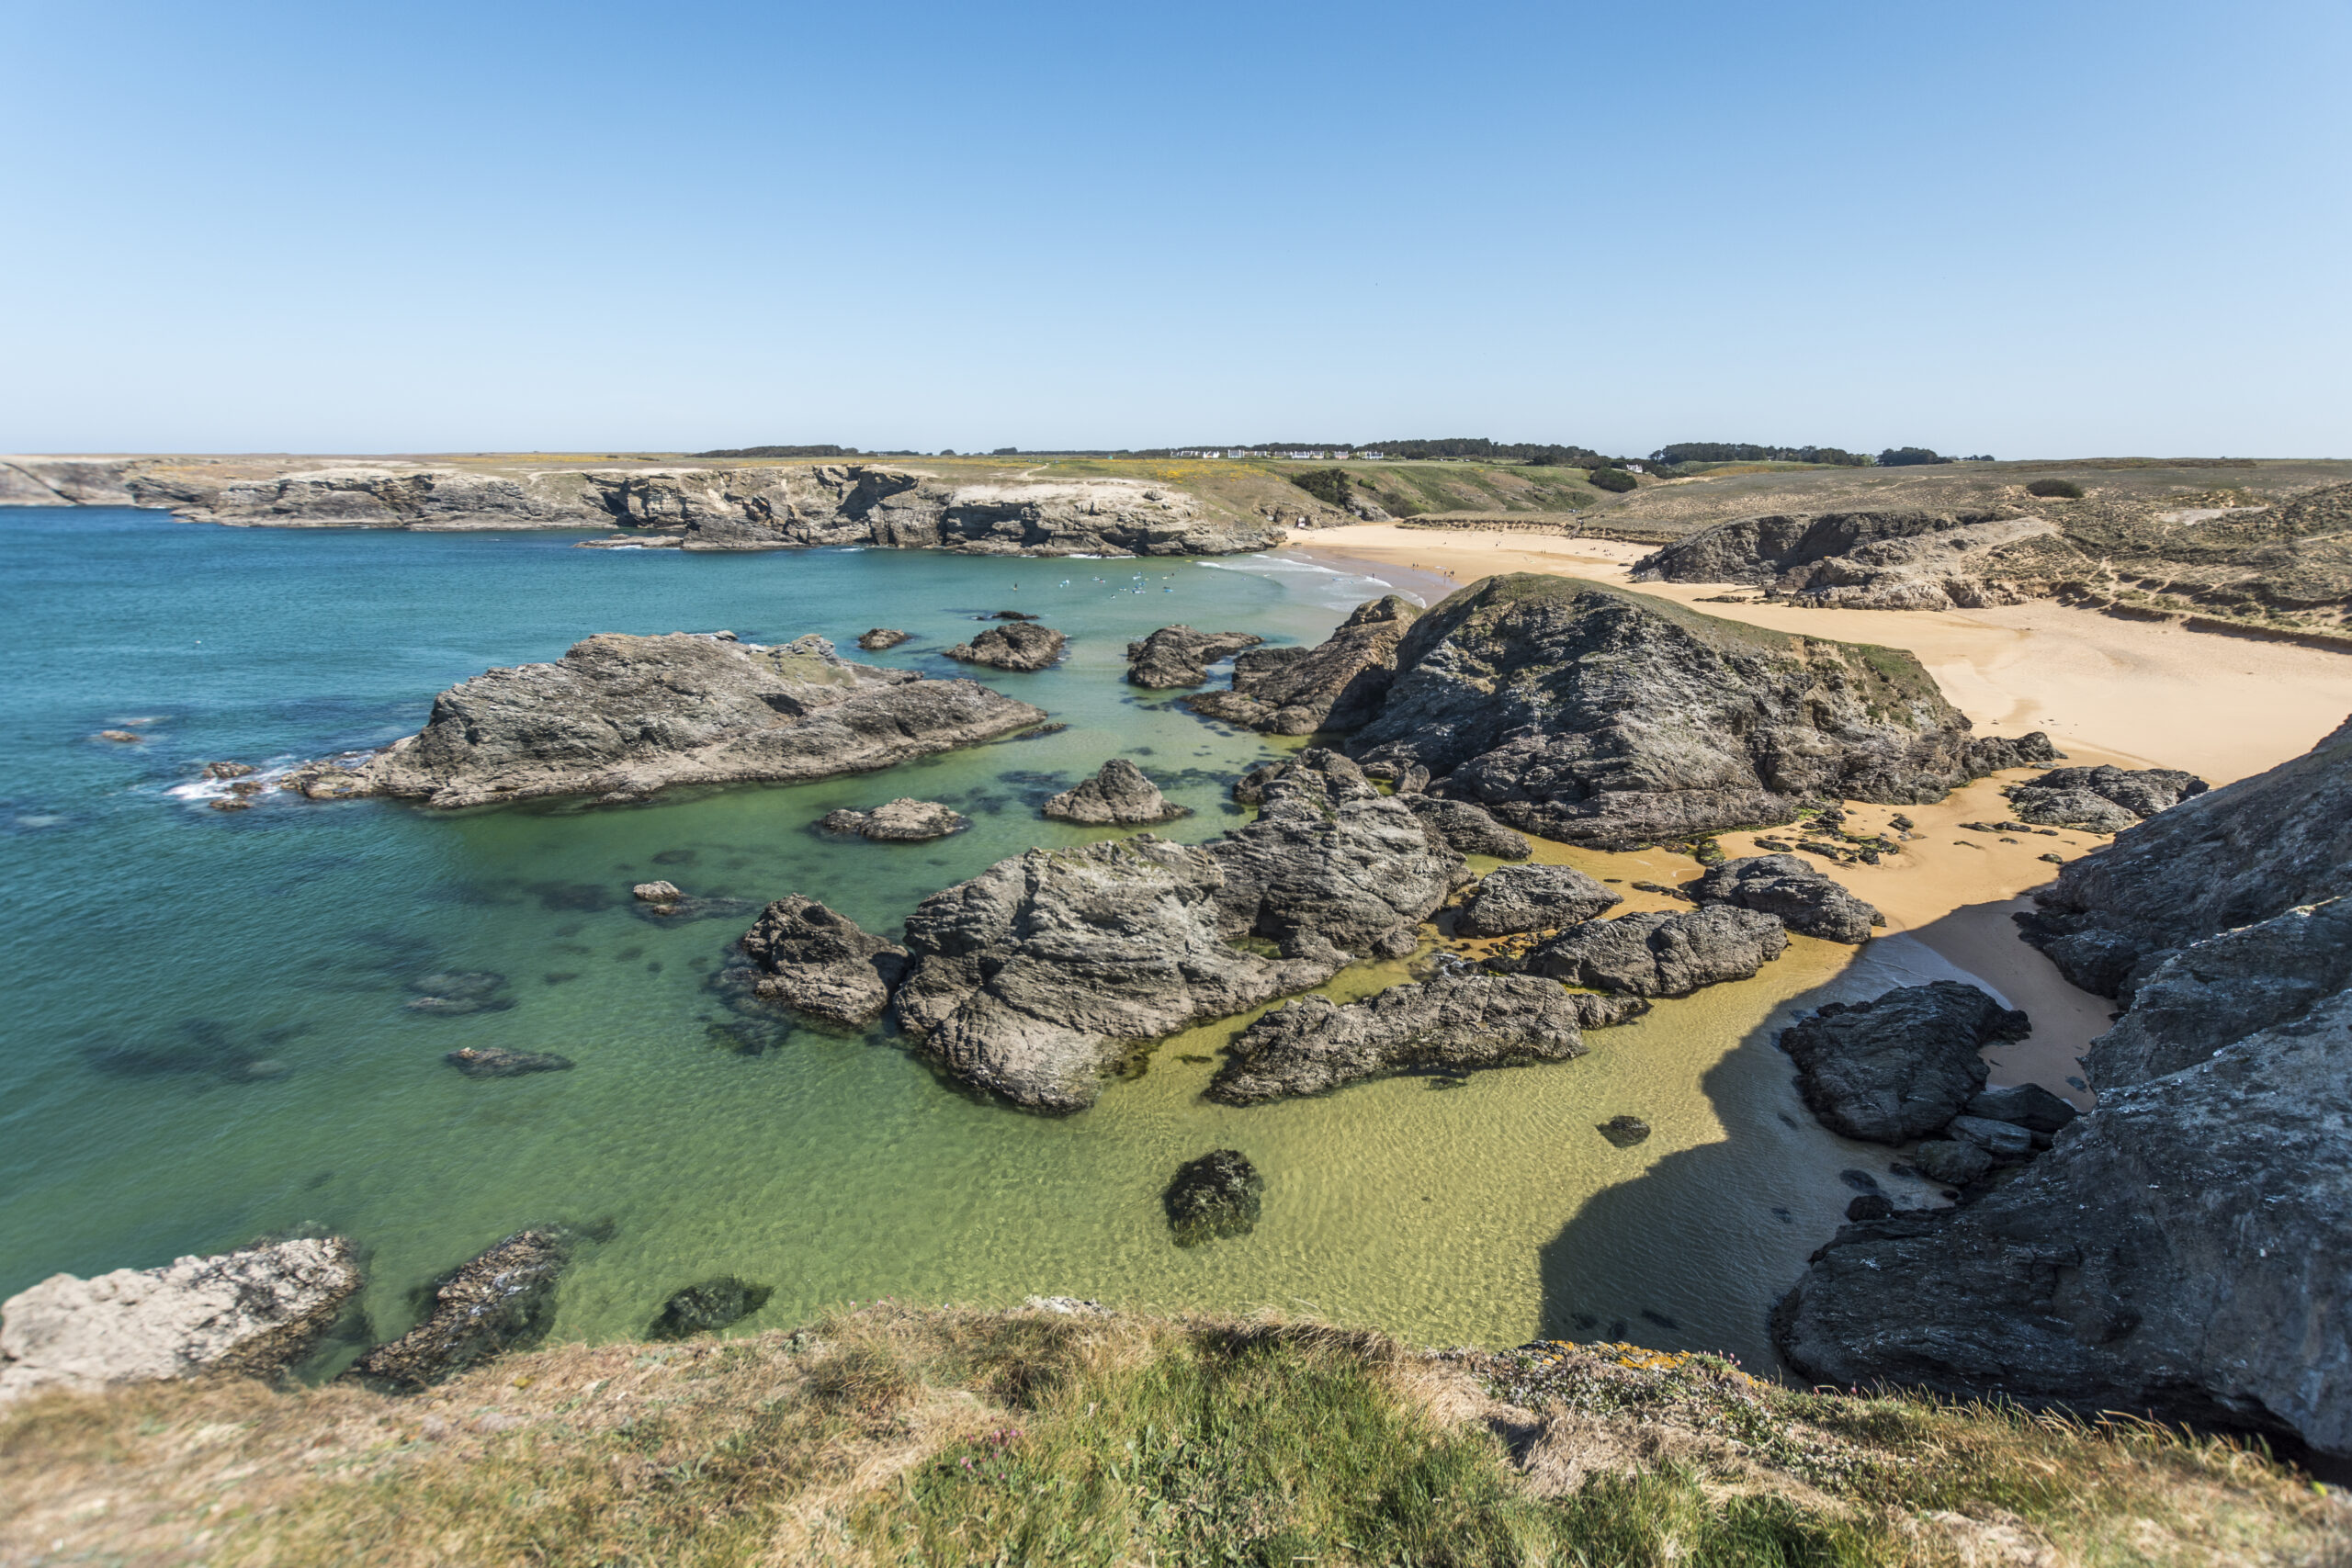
[[1879, 561], [2185, 1249], [720, 508], [1592, 714], [620, 717]]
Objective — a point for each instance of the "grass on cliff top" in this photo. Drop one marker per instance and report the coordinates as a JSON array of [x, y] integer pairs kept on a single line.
[[947, 1438]]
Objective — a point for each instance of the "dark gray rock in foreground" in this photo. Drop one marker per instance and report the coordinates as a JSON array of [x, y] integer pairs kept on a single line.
[[1657, 953], [2225, 987], [621, 717], [1218, 1195], [1591, 714], [251, 1312], [900, 821], [1902, 1066], [2185, 1251], [496, 1062], [1117, 795], [822, 963], [1467, 829], [2027, 1105], [1179, 656], [502, 1299], [1533, 898], [1807, 900], [2102, 799], [1458, 1023], [2231, 857], [1046, 969], [1018, 646], [708, 1307], [1335, 685]]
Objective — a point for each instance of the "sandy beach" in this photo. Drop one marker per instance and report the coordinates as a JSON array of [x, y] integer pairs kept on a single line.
[[2136, 693]]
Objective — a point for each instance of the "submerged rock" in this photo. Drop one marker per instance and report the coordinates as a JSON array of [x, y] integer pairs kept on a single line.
[[708, 1307], [1215, 1196], [502, 1299], [251, 1312], [1595, 715], [1624, 1130], [822, 962], [1117, 795], [1336, 685], [1464, 828], [1018, 646], [1657, 953], [452, 993], [882, 638], [495, 1062], [622, 718], [1457, 1023], [1903, 1065], [1179, 656], [1532, 898], [1806, 900], [900, 821]]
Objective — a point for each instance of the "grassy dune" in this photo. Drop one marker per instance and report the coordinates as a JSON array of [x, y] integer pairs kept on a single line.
[[890, 1435]]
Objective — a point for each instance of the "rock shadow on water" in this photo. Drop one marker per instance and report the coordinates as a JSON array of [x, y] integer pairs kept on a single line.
[[1761, 1199]]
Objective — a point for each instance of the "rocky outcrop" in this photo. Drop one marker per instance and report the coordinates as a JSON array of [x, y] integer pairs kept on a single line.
[[1466, 828], [1179, 656], [2224, 988], [1021, 645], [1655, 953], [1807, 900], [900, 821], [622, 718], [880, 639], [779, 506], [1595, 715], [1879, 561], [1902, 1066], [1454, 1024], [2184, 1252], [2231, 857], [1335, 685], [708, 1307], [502, 1299], [251, 1312], [2102, 799], [822, 963], [1533, 898], [1032, 978], [1117, 795], [1218, 1195]]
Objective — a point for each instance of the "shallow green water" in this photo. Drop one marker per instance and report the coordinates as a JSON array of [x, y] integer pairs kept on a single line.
[[207, 1036]]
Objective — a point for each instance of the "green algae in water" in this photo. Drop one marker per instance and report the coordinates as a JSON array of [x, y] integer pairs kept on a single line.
[[211, 1035]]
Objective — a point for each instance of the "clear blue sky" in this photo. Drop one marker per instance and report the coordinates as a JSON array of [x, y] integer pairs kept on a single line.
[[2043, 229]]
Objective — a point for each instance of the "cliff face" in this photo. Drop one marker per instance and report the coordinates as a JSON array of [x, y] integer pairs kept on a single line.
[[1879, 561], [2187, 1247], [778, 507], [1594, 715]]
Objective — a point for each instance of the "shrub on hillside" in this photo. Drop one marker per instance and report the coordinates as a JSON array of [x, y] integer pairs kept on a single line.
[[2065, 490], [1616, 481], [1329, 486], [1907, 457]]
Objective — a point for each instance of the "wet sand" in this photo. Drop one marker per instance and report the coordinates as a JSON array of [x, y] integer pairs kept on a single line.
[[2135, 693]]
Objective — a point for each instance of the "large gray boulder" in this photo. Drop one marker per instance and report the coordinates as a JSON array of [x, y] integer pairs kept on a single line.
[[620, 717], [1466, 828], [1117, 795], [1807, 900], [501, 1299], [1591, 714], [2230, 857], [1658, 954], [1454, 1024], [822, 963], [1179, 656], [2102, 799], [1901, 1066], [1032, 978], [250, 1312], [1532, 898], [1334, 686], [1020, 644], [2185, 1252]]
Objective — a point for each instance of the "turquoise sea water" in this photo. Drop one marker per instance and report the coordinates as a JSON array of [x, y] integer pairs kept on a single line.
[[207, 1039]]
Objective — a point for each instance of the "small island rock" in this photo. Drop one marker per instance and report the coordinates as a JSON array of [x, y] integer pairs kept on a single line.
[[822, 963], [1215, 1196], [901, 821], [1117, 795], [1624, 1130], [1018, 645], [882, 638]]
